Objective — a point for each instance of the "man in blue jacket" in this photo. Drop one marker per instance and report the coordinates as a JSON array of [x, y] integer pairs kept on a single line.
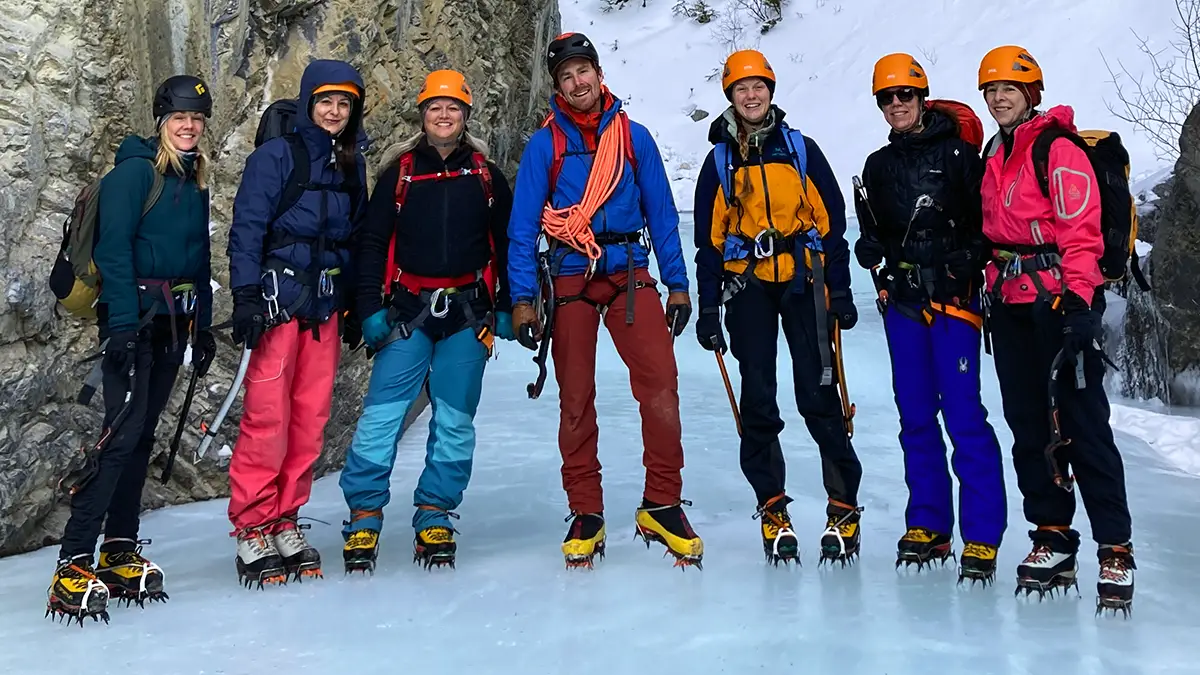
[[598, 259]]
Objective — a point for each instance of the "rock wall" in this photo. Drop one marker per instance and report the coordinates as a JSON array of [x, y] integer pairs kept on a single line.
[[76, 77], [1160, 353]]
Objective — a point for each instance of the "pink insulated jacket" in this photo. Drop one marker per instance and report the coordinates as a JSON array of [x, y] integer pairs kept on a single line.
[[1016, 213]]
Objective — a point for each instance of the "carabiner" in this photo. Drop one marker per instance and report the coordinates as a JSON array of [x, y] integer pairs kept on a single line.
[[769, 251], [272, 298], [438, 294]]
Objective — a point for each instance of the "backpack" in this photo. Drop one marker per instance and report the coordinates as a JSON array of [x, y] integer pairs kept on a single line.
[[279, 119], [74, 278], [559, 144], [723, 159], [970, 129], [1118, 219], [406, 178]]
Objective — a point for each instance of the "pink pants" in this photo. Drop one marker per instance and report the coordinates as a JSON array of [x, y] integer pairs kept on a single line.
[[289, 390]]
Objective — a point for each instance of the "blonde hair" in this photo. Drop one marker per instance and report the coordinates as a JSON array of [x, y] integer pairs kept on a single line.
[[169, 155]]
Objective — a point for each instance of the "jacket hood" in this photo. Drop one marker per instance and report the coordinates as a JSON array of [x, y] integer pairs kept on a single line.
[[718, 131], [326, 71], [563, 116], [136, 146]]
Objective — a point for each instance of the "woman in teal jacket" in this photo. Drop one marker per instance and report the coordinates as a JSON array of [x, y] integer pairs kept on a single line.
[[155, 294]]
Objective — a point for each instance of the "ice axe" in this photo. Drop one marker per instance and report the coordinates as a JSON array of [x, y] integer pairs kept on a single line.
[[210, 434], [183, 413], [848, 408], [1056, 439], [737, 417]]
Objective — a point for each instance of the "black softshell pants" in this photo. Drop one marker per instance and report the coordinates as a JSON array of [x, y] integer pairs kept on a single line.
[[115, 490], [1025, 340], [752, 318]]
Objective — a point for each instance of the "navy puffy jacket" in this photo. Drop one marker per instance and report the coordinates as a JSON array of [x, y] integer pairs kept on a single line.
[[263, 182]]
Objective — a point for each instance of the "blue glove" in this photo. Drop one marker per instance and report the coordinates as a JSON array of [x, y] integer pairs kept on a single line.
[[504, 326], [376, 328]]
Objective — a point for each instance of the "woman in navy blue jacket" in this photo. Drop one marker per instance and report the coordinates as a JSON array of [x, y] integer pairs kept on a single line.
[[289, 256]]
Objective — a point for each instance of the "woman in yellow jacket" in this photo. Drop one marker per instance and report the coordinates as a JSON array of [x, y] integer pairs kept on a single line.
[[770, 240]]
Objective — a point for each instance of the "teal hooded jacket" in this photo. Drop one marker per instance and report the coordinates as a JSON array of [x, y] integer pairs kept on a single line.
[[170, 243]]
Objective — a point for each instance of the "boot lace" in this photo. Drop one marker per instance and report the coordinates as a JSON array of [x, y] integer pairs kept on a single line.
[[1114, 569], [1040, 554], [437, 535], [980, 551]]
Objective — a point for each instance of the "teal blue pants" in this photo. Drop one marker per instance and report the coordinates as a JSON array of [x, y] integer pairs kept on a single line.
[[454, 366]]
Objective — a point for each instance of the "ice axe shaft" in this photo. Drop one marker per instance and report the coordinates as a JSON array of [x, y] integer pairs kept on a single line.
[[848, 408], [183, 414], [737, 417], [211, 433]]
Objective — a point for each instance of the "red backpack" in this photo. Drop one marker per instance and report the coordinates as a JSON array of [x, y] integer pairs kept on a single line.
[[406, 178], [970, 129]]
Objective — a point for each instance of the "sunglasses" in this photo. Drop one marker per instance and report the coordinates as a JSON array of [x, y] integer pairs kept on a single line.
[[905, 94]]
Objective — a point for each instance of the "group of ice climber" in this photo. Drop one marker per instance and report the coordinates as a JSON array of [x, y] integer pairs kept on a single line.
[[443, 257]]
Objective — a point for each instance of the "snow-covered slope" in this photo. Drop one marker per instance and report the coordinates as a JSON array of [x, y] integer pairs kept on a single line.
[[824, 51]]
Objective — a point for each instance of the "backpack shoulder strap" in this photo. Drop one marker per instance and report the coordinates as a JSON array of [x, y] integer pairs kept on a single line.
[[723, 161], [156, 188], [799, 151], [559, 144], [298, 179], [627, 130], [485, 176], [405, 162], [1041, 154]]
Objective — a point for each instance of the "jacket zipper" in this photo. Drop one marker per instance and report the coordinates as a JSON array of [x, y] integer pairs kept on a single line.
[[762, 167]]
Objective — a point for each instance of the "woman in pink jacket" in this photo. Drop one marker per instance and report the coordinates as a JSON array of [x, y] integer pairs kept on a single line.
[[1046, 298]]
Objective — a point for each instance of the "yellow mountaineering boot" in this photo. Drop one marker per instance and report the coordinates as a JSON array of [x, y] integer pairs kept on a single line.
[[584, 540], [667, 524], [362, 546], [434, 545], [839, 541], [130, 577], [978, 563], [75, 592], [780, 543], [921, 546]]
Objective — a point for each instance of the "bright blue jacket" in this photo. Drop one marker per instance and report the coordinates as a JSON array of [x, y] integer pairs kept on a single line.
[[639, 201], [263, 180]]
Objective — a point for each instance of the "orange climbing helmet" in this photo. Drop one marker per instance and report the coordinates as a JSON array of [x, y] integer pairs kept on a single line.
[[1010, 63], [899, 70], [743, 64], [448, 83]]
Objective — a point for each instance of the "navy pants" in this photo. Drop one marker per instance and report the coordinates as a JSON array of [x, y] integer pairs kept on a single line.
[[935, 369]]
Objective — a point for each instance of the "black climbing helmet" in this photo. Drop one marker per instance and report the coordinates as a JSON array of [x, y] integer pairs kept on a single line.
[[182, 93], [568, 46]]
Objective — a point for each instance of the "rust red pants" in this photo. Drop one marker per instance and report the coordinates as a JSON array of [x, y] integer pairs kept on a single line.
[[645, 347]]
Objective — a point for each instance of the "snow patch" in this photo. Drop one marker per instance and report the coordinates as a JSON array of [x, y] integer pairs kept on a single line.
[[1176, 439]]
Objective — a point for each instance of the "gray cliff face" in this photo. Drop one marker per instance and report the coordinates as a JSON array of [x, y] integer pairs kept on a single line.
[[75, 78]]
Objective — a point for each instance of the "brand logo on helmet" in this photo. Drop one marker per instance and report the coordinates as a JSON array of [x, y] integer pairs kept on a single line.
[[199, 88]]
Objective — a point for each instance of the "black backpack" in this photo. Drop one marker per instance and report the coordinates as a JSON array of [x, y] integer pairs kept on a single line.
[[1118, 219], [279, 119]]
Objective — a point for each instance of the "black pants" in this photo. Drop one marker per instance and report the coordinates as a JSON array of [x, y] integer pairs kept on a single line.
[[752, 318], [115, 490], [1026, 338]]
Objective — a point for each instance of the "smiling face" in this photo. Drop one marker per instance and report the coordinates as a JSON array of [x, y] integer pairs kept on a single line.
[[901, 107], [1006, 102], [751, 99], [578, 80], [444, 119], [331, 112], [184, 129]]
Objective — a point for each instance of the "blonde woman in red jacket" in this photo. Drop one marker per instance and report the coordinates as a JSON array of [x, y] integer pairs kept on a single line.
[[1046, 298]]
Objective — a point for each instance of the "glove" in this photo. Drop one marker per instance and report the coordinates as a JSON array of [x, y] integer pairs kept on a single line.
[[842, 310], [120, 352], [504, 326], [529, 329], [1081, 326], [352, 331], [869, 252], [203, 351], [249, 322], [708, 330], [376, 328], [960, 265], [679, 310]]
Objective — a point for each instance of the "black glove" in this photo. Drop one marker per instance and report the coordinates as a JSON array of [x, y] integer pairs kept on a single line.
[[869, 252], [961, 265], [842, 310], [120, 352], [677, 317], [249, 320], [1081, 326], [203, 351], [708, 330], [352, 333]]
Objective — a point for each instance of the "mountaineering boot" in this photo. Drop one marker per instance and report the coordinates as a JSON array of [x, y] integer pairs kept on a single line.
[[668, 525], [75, 592], [258, 560], [434, 545], [585, 540], [921, 546], [362, 546], [839, 541], [780, 543], [1051, 564], [1115, 587], [300, 559], [128, 576], [978, 563]]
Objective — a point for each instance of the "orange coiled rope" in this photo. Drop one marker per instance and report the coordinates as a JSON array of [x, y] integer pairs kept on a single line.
[[573, 224]]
